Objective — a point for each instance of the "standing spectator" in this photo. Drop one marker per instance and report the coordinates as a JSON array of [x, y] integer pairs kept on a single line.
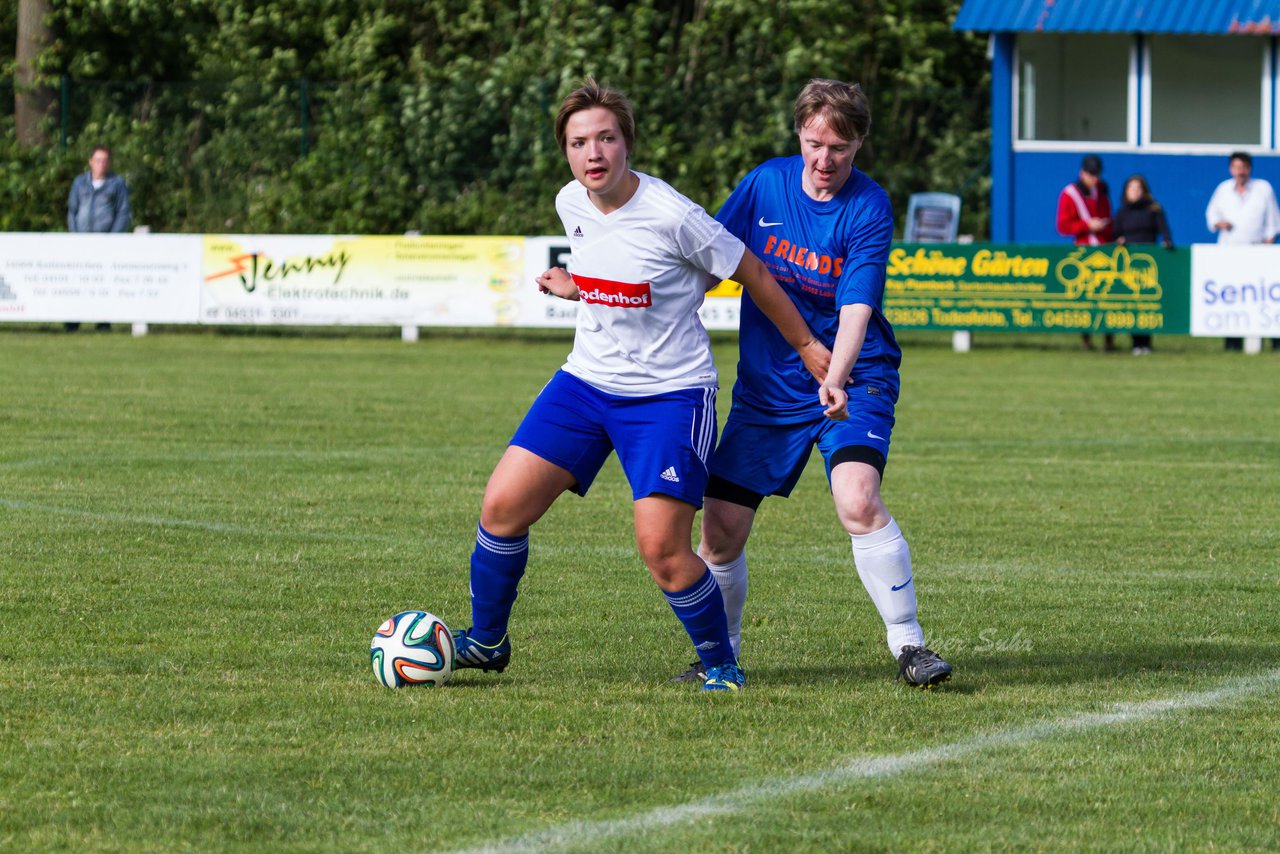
[[1141, 220], [1084, 214], [98, 202], [1243, 211]]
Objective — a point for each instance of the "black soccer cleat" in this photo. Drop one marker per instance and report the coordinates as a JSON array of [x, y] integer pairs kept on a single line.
[[922, 667], [695, 673]]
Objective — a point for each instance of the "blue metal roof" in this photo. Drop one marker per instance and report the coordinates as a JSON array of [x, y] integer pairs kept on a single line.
[[1209, 17]]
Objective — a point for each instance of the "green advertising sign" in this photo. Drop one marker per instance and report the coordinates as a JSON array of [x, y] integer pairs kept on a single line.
[[1036, 288]]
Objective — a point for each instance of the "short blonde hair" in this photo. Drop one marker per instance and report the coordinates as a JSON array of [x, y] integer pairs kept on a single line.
[[843, 106], [591, 94]]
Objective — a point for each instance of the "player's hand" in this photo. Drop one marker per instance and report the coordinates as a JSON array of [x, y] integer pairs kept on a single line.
[[557, 281], [1222, 225], [816, 358], [836, 401]]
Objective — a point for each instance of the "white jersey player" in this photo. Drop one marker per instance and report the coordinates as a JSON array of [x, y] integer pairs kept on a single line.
[[640, 380]]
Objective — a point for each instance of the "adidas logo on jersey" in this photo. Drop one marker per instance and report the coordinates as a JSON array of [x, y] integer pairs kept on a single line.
[[670, 474], [577, 231]]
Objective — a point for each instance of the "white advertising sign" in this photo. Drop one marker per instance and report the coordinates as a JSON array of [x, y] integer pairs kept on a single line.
[[317, 280], [100, 278], [719, 311], [1235, 291], [536, 308]]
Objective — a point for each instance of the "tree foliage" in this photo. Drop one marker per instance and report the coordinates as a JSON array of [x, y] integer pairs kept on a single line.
[[361, 116]]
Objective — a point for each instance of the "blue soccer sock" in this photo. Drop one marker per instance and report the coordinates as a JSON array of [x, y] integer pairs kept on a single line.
[[701, 609], [497, 565]]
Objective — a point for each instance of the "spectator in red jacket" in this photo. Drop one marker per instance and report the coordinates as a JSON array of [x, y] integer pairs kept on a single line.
[[1084, 214]]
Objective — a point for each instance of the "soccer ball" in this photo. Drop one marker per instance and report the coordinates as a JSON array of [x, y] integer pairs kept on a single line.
[[412, 648]]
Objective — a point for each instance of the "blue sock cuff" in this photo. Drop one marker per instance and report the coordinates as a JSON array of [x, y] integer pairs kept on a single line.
[[692, 596], [501, 545], [700, 608]]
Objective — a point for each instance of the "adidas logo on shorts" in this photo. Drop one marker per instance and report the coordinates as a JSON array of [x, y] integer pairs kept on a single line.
[[670, 474]]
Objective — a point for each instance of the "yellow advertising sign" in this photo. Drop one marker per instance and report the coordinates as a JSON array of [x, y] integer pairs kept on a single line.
[[309, 279]]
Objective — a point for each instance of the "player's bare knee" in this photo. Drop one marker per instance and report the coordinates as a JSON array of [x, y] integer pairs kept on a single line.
[[666, 571], [859, 514], [656, 553], [719, 546], [667, 561], [724, 536], [717, 556], [504, 513]]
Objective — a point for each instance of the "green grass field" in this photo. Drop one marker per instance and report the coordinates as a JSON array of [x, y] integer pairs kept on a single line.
[[199, 533]]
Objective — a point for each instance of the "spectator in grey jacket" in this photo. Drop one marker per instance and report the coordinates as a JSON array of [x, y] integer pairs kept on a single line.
[[98, 202], [99, 199]]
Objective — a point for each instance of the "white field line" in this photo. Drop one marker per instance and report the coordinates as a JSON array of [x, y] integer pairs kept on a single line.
[[464, 542], [101, 456], [195, 524], [585, 833]]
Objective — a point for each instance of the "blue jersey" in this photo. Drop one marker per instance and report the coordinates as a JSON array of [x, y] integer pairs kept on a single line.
[[825, 255]]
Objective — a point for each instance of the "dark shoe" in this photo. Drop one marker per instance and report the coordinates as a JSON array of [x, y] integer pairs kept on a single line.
[[71, 327], [695, 673], [103, 327], [921, 667]]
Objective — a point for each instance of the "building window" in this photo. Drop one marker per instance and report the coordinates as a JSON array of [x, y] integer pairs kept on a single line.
[[1207, 90], [1073, 88]]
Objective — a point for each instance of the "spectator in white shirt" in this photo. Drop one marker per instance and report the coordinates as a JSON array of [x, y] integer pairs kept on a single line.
[[1243, 211]]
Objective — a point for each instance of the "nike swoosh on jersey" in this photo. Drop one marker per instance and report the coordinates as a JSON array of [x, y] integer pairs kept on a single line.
[[764, 224], [871, 435]]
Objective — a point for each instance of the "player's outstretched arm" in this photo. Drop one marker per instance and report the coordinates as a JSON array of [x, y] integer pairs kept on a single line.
[[777, 306], [849, 337], [558, 281]]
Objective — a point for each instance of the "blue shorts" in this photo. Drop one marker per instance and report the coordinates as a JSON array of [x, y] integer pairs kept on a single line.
[[768, 458], [663, 440]]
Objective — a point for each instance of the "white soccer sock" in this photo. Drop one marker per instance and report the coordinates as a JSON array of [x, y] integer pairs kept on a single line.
[[732, 578], [883, 560]]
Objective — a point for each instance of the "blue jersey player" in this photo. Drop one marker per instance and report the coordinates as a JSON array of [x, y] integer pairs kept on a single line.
[[823, 230]]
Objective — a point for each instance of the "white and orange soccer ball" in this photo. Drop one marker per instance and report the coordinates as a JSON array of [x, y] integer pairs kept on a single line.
[[412, 648]]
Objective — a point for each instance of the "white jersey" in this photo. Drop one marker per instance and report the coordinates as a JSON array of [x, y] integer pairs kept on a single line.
[[641, 273]]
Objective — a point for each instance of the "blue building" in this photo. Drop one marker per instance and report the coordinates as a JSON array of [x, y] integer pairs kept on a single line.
[[1164, 88]]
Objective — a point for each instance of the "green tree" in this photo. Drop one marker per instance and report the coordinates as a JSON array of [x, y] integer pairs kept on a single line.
[[379, 117]]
